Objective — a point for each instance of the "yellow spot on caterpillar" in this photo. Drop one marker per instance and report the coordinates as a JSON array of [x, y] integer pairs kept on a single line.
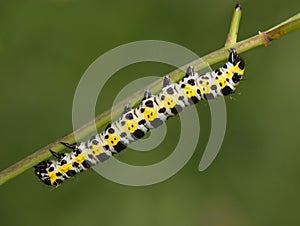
[[221, 81], [64, 168], [52, 176], [237, 69], [169, 101], [228, 73], [150, 113], [80, 158], [189, 90], [113, 139], [204, 88], [130, 126], [96, 150]]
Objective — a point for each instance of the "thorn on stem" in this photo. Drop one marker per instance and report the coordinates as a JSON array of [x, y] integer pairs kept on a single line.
[[266, 38]]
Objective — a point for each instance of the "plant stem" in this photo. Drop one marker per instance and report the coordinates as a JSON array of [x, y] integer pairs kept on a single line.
[[263, 38], [234, 26]]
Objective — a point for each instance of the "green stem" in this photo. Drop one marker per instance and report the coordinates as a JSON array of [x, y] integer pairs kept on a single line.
[[263, 38], [234, 26]]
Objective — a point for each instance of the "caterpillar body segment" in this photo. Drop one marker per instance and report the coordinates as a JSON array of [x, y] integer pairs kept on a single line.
[[134, 123]]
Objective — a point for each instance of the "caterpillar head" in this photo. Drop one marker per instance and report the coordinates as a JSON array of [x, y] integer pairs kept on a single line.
[[44, 171]]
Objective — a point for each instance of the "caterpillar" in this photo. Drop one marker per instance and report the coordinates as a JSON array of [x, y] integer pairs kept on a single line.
[[134, 123]]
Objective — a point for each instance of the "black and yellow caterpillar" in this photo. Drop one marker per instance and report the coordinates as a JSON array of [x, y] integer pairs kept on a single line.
[[153, 111]]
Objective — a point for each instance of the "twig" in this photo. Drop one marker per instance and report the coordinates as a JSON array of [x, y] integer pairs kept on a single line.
[[263, 38], [234, 26]]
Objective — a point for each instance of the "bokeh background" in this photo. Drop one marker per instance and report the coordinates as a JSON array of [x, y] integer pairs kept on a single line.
[[45, 47]]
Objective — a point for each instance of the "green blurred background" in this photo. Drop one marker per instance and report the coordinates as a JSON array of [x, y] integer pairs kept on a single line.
[[45, 47]]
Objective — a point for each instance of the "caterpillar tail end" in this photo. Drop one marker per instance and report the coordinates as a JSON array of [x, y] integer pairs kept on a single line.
[[45, 170], [42, 173]]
